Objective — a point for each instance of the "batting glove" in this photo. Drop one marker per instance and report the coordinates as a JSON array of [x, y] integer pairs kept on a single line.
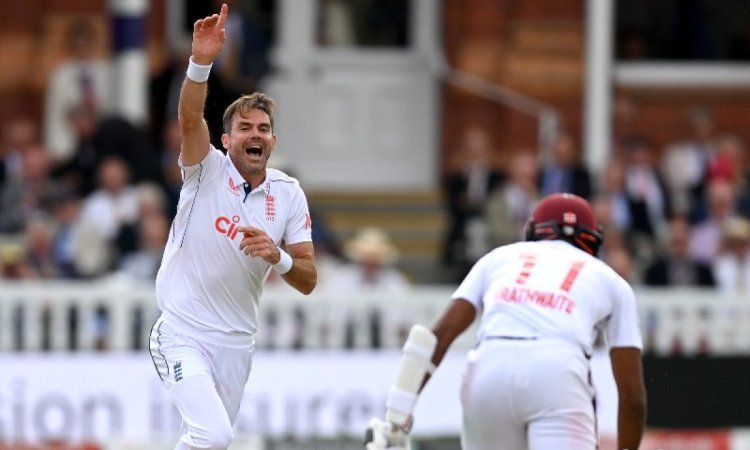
[[384, 435]]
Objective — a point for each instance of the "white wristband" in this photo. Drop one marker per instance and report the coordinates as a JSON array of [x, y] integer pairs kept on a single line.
[[285, 262], [198, 72]]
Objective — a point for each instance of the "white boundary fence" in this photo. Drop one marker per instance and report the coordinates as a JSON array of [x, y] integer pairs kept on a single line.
[[64, 316]]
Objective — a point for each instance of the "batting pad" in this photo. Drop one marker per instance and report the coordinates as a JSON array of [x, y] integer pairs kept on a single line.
[[415, 364]]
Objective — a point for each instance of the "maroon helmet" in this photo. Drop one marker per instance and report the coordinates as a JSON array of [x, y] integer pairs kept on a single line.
[[567, 217]]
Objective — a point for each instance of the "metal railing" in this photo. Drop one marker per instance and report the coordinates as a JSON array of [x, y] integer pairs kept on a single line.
[[117, 316]]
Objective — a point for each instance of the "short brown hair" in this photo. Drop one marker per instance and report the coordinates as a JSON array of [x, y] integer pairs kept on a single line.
[[256, 100]]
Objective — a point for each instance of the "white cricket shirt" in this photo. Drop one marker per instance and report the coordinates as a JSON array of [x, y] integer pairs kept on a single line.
[[551, 289], [206, 284]]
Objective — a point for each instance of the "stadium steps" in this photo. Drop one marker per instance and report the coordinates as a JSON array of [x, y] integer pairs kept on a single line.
[[415, 222]]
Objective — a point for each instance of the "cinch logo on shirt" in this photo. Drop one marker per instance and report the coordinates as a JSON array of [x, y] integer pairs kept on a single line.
[[228, 227]]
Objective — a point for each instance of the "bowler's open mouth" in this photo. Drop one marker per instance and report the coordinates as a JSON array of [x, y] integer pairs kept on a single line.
[[254, 150]]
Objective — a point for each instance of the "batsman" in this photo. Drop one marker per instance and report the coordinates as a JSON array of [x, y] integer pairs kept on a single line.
[[527, 383]]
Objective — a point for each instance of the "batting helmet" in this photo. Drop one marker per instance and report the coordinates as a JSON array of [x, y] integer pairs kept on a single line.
[[567, 217]]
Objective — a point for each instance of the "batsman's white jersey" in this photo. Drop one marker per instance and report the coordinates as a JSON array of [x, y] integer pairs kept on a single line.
[[206, 284], [550, 289], [527, 385]]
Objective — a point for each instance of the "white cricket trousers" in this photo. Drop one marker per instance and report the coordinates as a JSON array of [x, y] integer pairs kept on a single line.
[[206, 382], [528, 395]]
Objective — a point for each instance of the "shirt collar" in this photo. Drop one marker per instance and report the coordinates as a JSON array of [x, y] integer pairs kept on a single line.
[[239, 180]]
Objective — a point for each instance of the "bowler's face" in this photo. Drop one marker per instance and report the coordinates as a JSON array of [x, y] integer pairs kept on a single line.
[[250, 142]]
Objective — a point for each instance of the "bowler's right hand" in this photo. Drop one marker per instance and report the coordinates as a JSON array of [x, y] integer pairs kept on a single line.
[[209, 35]]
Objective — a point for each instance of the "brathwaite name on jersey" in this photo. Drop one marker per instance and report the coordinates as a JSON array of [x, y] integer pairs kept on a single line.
[[544, 299]]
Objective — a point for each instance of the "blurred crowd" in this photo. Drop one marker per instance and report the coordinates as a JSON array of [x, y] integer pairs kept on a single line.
[[675, 215], [86, 194]]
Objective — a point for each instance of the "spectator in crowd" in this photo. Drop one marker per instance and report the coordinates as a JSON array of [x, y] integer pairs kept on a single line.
[[66, 208], [620, 260], [13, 262], [370, 269], [113, 206], [510, 205], [151, 202], [29, 195], [616, 254], [625, 115], [674, 267], [81, 81], [143, 264], [39, 248], [685, 164], [611, 204], [705, 237], [471, 177], [372, 258], [118, 137], [78, 173], [19, 134], [648, 203], [79, 248], [730, 164], [564, 172], [732, 265]]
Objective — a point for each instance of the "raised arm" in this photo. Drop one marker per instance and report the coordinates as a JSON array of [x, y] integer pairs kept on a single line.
[[208, 40]]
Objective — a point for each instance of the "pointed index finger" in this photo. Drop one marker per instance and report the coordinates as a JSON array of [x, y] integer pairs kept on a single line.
[[223, 15]]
